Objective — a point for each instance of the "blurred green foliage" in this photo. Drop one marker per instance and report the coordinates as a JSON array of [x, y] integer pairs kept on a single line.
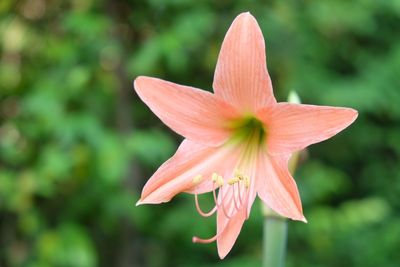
[[77, 145]]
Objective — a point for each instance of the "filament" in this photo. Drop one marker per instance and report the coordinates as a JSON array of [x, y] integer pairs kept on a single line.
[[200, 211], [196, 239]]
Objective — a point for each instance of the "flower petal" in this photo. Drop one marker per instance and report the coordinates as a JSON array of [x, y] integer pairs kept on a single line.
[[277, 188], [196, 114], [241, 77], [292, 127], [230, 229], [176, 174]]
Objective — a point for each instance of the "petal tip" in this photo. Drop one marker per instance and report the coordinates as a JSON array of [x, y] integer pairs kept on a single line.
[[245, 15], [138, 80], [300, 218], [139, 202], [355, 113], [136, 83], [304, 220], [222, 254], [146, 200]]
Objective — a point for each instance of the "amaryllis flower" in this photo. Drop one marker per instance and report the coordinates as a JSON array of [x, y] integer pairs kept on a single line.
[[238, 140]]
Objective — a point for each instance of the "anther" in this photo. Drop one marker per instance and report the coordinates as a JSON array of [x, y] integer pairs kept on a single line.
[[197, 179], [238, 174], [233, 180], [214, 177], [220, 181]]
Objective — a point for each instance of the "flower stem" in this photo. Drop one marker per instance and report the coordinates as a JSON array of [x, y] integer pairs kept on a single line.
[[275, 236]]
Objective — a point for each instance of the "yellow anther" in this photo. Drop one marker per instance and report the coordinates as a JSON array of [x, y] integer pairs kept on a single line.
[[214, 177], [238, 174], [233, 180], [197, 179], [220, 180]]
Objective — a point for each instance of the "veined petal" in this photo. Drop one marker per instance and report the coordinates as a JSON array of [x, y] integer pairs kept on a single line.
[[228, 230], [277, 188], [292, 127], [176, 175], [241, 77], [195, 114]]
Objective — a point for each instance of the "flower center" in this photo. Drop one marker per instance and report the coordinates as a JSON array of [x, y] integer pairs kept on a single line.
[[248, 129]]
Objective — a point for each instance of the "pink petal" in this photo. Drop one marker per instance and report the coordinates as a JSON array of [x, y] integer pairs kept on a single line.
[[277, 188], [196, 114], [241, 77], [292, 127], [176, 175], [230, 229]]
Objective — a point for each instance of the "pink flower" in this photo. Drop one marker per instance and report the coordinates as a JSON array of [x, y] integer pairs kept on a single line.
[[237, 140]]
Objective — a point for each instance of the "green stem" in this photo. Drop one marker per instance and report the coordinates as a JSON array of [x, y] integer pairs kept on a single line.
[[275, 236]]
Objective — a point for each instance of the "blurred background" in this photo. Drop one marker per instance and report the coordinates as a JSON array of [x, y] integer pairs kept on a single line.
[[77, 144]]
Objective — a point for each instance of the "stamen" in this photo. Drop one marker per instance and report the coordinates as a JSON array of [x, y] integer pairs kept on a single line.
[[222, 203], [246, 204], [240, 192], [196, 239], [214, 177], [220, 181], [240, 201], [215, 197], [237, 205], [200, 211], [233, 180], [197, 179], [238, 174]]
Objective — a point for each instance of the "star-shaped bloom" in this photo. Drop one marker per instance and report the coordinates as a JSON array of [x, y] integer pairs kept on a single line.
[[238, 140]]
